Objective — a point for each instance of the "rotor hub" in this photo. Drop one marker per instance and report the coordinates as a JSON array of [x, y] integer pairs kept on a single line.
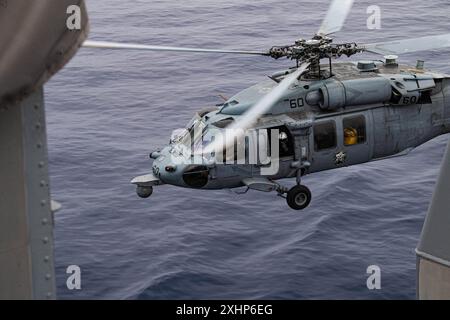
[[318, 47], [313, 50]]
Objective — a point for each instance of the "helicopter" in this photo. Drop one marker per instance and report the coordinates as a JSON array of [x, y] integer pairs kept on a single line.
[[311, 117]]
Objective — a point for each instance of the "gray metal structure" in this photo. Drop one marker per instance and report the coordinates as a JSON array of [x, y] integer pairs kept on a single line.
[[433, 251], [26, 237], [27, 60]]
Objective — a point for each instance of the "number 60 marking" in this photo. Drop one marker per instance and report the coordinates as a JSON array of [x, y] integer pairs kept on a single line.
[[295, 103], [410, 100]]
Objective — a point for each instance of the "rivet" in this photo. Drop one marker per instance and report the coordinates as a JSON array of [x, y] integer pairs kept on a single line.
[[43, 203], [39, 145], [45, 240], [49, 295], [46, 259], [36, 106], [44, 221], [48, 276], [38, 125], [41, 164], [42, 183]]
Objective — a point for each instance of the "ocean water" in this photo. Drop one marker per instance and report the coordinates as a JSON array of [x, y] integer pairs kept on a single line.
[[107, 110]]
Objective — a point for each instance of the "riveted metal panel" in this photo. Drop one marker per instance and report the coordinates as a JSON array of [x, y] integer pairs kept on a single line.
[[26, 227], [38, 196]]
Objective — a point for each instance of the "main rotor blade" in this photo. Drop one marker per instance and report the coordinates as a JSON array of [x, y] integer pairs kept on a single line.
[[133, 46], [409, 45], [249, 118], [336, 16]]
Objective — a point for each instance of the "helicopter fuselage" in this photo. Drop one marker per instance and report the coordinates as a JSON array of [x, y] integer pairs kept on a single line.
[[361, 113]]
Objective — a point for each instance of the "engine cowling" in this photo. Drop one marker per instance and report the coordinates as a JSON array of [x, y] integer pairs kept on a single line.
[[338, 94]]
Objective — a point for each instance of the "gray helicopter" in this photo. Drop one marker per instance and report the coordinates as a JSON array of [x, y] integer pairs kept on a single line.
[[315, 116]]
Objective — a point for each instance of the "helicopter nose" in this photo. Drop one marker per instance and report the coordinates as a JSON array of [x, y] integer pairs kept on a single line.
[[166, 170], [177, 172], [185, 175]]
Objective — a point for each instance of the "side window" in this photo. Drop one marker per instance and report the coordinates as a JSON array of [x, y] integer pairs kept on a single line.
[[324, 135], [354, 130], [286, 141]]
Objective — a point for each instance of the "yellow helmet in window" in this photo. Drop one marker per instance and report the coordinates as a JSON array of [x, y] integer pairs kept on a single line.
[[350, 136]]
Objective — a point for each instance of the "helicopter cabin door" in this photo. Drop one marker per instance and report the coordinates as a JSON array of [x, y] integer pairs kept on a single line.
[[341, 141]]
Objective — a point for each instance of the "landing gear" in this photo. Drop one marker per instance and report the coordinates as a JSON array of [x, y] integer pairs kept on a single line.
[[144, 192], [298, 197]]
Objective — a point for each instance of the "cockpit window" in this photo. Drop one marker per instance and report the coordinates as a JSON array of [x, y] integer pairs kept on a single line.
[[208, 135], [193, 131]]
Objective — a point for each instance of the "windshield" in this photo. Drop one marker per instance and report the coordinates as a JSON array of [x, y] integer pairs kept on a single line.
[[194, 131], [208, 135], [195, 137], [187, 140], [187, 135]]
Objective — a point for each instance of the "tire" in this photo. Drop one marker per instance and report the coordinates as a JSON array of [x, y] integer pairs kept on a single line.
[[144, 192], [298, 197]]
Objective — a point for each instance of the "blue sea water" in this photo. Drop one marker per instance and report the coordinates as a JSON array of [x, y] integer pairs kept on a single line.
[[107, 110]]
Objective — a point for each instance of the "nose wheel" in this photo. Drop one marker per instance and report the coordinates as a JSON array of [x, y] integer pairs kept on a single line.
[[298, 197]]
